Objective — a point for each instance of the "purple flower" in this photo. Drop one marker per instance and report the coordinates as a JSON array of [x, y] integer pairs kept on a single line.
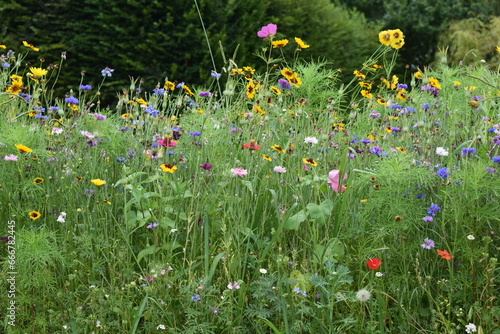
[[374, 114], [206, 166], [376, 150], [443, 172], [71, 99], [152, 225], [496, 159], [85, 87], [427, 219], [194, 133], [204, 93], [428, 244], [284, 84], [98, 116], [489, 169], [107, 72], [433, 90]]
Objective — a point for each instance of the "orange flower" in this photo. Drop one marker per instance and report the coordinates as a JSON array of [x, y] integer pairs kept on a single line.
[[252, 145], [444, 254]]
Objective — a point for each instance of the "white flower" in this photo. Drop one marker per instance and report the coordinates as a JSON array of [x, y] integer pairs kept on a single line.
[[379, 274], [470, 237], [263, 271], [363, 295], [441, 151], [470, 328], [162, 327], [61, 217], [310, 140], [98, 324]]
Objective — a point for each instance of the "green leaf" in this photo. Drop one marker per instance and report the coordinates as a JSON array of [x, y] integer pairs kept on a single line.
[[293, 222], [248, 184], [146, 251], [320, 213]]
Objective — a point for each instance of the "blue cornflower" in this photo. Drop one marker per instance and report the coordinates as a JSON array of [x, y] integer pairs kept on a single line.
[[215, 75], [204, 93], [425, 106], [180, 84], [71, 99], [158, 91], [433, 209], [5, 65], [194, 133], [466, 151], [366, 141], [395, 106], [443, 172], [121, 159], [85, 87], [196, 298], [496, 159], [376, 150], [107, 72], [40, 109], [152, 111], [402, 86], [54, 108]]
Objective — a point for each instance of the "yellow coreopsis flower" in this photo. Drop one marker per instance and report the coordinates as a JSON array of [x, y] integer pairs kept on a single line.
[[2, 46], [366, 93], [275, 90], [434, 83], [169, 85], [385, 37], [98, 182], [23, 149], [266, 157], [295, 81], [142, 101], [359, 74], [301, 43], [187, 90], [418, 75], [498, 49], [28, 45], [38, 71], [251, 90], [288, 73], [279, 44], [34, 215], [168, 168]]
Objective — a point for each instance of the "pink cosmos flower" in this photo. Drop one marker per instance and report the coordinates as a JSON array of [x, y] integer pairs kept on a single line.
[[238, 171], [279, 169], [11, 157], [266, 31], [333, 179], [87, 134]]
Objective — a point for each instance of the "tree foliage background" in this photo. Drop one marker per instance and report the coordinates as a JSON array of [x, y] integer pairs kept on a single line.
[[154, 39]]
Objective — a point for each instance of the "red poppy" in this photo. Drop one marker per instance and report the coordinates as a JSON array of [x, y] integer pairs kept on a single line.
[[252, 145], [444, 254], [374, 263]]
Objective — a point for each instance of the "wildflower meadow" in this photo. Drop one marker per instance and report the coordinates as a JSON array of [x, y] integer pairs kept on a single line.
[[285, 201]]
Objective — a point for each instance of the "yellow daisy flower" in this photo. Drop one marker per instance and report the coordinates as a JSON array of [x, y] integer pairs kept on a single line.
[[279, 44], [168, 168], [301, 43], [38, 71], [98, 182]]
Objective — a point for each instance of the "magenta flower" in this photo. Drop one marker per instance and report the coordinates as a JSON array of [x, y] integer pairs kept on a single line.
[[268, 31], [334, 178], [238, 171]]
